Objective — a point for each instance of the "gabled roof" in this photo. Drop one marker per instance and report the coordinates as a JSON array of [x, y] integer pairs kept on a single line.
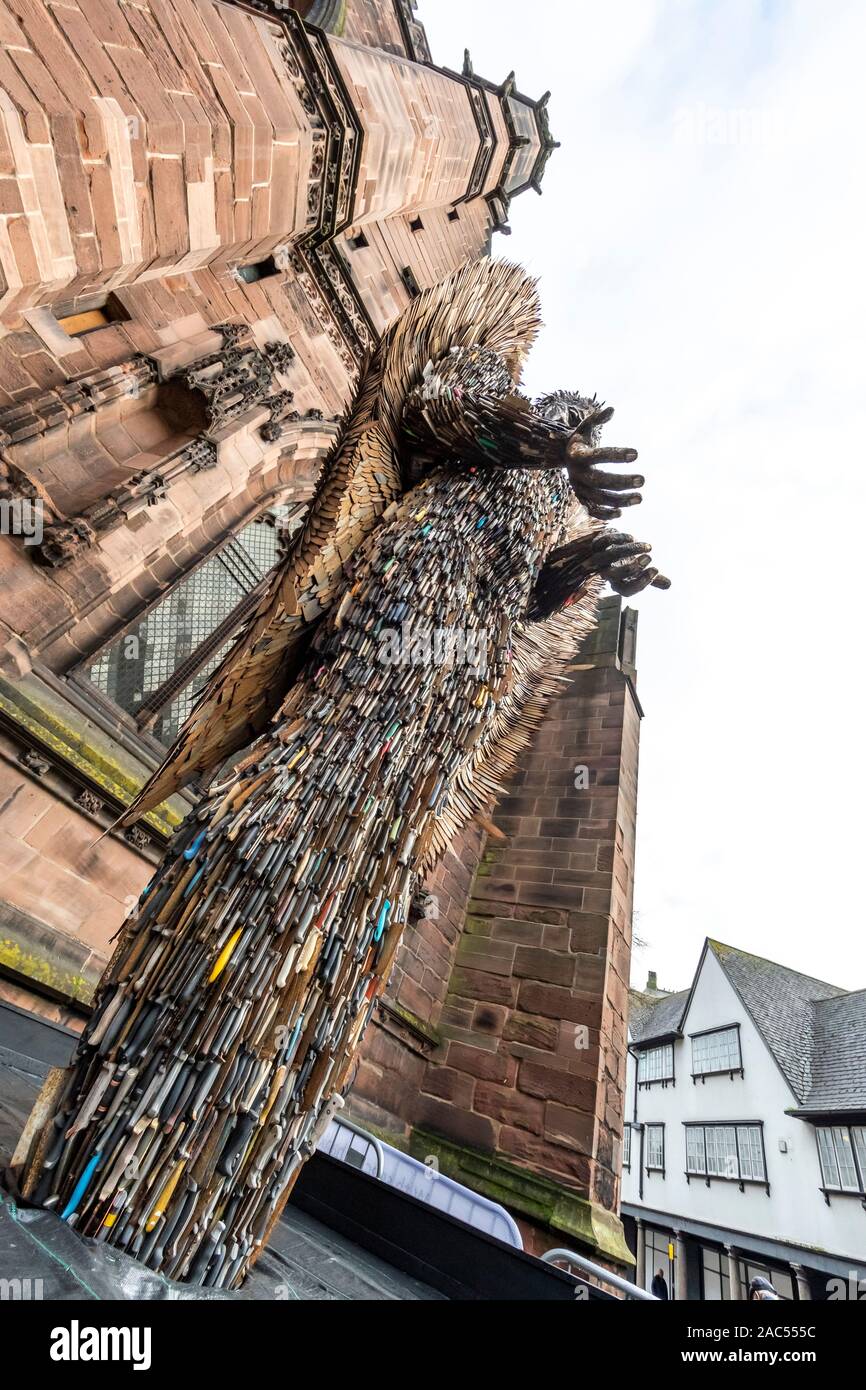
[[654, 1017], [838, 1080], [815, 1031], [781, 1003]]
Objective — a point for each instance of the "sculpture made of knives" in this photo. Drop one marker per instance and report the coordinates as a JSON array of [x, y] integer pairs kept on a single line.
[[401, 658]]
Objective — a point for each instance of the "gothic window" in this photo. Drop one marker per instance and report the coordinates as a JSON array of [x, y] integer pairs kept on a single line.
[[155, 669]]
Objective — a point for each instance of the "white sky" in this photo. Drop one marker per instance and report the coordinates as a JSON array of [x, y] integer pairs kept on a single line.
[[700, 243]]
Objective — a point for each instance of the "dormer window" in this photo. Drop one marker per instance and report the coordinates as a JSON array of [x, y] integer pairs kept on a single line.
[[717, 1052], [656, 1064]]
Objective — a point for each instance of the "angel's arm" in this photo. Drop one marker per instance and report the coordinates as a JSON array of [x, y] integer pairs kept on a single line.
[[467, 407], [620, 560]]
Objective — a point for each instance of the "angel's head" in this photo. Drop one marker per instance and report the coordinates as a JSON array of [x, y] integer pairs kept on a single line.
[[575, 412]]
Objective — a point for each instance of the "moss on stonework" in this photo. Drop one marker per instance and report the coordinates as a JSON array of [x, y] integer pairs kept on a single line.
[[40, 968], [413, 1022], [538, 1199], [63, 738], [386, 1136], [475, 925]]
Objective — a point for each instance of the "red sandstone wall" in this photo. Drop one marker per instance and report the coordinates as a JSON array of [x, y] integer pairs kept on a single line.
[[374, 24], [202, 119], [421, 136], [440, 246], [534, 1023]]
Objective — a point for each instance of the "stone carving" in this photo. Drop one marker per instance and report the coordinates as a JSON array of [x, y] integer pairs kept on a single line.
[[66, 538], [228, 383], [138, 838], [89, 802], [278, 404], [34, 762], [199, 456], [280, 355], [232, 333], [414, 34]]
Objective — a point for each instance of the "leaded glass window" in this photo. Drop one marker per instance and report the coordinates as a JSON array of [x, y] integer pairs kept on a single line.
[[716, 1052], [157, 668]]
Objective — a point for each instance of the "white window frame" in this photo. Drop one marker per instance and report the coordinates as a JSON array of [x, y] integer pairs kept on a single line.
[[750, 1149], [696, 1151], [842, 1159], [713, 1062], [728, 1152], [651, 1131], [722, 1158], [655, 1064], [626, 1146]]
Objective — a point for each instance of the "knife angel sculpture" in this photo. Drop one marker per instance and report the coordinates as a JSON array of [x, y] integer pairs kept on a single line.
[[399, 660]]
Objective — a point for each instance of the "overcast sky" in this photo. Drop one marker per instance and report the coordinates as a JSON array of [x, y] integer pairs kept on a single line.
[[700, 243]]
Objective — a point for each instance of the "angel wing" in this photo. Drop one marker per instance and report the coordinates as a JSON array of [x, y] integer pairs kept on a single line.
[[248, 687], [489, 303]]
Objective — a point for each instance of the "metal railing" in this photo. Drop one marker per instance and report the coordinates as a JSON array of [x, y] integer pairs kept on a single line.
[[373, 1144], [631, 1291]]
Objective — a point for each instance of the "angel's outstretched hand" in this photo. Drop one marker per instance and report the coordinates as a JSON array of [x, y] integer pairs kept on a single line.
[[603, 494], [625, 563]]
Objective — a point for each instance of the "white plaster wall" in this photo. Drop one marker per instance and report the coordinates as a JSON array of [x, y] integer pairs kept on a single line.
[[795, 1211]]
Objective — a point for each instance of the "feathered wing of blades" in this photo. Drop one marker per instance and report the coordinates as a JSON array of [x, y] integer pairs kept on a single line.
[[248, 687], [490, 303]]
